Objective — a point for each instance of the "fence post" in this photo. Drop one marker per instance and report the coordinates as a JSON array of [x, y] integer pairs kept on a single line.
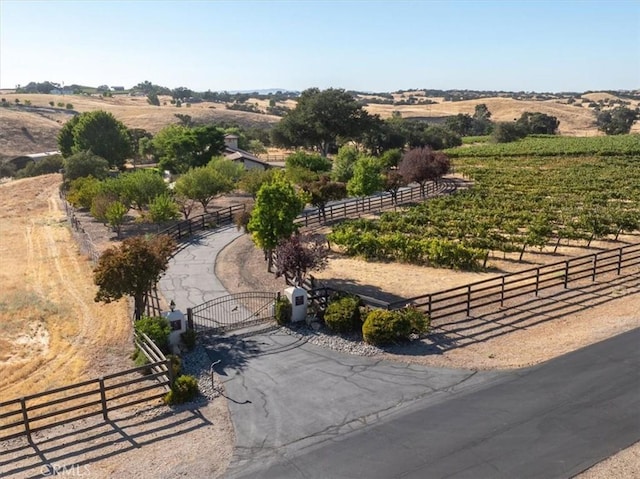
[[469, 300], [189, 318], [169, 372], [566, 274], [502, 293], [619, 260], [537, 279], [103, 399], [595, 263], [429, 307], [25, 418]]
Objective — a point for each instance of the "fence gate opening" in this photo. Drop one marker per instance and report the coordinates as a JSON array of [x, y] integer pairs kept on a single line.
[[234, 311]]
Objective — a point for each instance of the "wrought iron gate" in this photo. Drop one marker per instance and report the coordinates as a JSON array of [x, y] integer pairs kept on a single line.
[[234, 311]]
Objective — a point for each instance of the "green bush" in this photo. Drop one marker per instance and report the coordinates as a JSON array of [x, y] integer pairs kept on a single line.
[[283, 311], [382, 327], [418, 320], [184, 389], [343, 315], [189, 339], [156, 328]]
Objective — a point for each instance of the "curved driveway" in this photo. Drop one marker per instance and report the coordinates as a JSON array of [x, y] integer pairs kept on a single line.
[[301, 411]]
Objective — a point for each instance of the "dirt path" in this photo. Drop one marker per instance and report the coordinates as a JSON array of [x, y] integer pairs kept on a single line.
[[54, 331]]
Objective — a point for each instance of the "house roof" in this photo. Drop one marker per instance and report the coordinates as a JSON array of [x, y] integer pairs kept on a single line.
[[236, 154]]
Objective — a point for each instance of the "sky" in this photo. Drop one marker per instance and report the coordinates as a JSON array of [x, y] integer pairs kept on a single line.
[[376, 46]]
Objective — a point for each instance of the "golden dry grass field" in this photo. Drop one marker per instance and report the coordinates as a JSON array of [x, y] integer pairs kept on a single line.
[[52, 332], [34, 130]]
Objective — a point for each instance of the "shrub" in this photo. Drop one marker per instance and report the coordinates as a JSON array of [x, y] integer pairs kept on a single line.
[[283, 311], [343, 315], [7, 169], [418, 320], [139, 359], [51, 164], [156, 328], [51, 103], [382, 326], [82, 191], [69, 106], [189, 339], [60, 104], [184, 389]]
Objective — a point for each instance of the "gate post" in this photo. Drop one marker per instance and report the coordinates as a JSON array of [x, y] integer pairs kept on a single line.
[[189, 318]]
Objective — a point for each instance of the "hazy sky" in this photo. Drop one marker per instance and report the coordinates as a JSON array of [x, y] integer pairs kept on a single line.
[[359, 45]]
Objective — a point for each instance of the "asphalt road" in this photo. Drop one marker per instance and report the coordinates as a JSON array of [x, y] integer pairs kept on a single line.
[[549, 421]]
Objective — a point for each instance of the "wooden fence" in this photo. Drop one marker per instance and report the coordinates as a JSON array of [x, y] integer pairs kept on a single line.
[[55, 407], [465, 299], [188, 228], [357, 206]]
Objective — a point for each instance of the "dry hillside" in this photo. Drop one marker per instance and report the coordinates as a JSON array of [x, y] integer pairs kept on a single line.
[[25, 130]]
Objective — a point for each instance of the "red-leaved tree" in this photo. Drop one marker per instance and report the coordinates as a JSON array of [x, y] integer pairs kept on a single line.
[[420, 165], [298, 255]]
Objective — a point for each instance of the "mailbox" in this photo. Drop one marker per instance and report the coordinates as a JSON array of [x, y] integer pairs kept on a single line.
[[298, 299]]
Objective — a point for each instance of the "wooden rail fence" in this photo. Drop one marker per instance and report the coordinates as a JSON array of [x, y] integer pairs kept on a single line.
[[55, 407], [187, 228], [384, 201], [465, 299]]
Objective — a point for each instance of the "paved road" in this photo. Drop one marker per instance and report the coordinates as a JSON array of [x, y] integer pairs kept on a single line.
[[549, 421]]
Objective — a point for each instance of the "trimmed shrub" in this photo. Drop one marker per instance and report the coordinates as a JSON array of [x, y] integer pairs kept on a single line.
[[418, 320], [184, 389], [283, 311], [156, 328], [343, 315], [189, 339], [382, 327]]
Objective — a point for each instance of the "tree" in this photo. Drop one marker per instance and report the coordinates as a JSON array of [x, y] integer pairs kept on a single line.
[[344, 162], [163, 208], [320, 118], [323, 190], [152, 99], [482, 120], [142, 186], [253, 179], [392, 182], [202, 184], [115, 215], [277, 206], [83, 164], [100, 132], [229, 169], [136, 136], [180, 148], [507, 131], [309, 161], [298, 255], [437, 138], [367, 178], [617, 121], [420, 165], [132, 269], [538, 123], [181, 93], [65, 137], [462, 124]]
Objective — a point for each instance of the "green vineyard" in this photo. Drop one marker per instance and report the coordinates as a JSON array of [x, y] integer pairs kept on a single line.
[[550, 145], [517, 202]]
